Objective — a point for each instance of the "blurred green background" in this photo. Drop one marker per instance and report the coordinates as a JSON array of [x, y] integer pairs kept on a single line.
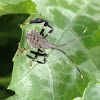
[[10, 34]]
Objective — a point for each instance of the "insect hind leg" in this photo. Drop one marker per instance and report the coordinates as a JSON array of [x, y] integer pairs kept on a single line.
[[44, 61], [27, 54], [41, 54], [36, 55]]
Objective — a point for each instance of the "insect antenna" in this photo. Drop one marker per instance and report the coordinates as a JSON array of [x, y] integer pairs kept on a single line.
[[40, 15], [73, 39], [73, 63]]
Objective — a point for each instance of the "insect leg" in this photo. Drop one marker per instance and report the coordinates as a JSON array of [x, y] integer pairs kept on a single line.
[[40, 20], [27, 54], [49, 31], [22, 49], [36, 55], [40, 61], [40, 50], [41, 54], [30, 50]]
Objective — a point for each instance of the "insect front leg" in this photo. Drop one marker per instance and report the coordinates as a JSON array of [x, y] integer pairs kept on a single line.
[[40, 20]]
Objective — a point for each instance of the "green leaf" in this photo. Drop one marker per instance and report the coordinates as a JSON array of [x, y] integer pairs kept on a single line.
[[17, 6], [58, 79], [92, 92], [14, 97]]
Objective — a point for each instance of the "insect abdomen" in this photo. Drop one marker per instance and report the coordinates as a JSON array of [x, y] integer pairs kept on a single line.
[[35, 40]]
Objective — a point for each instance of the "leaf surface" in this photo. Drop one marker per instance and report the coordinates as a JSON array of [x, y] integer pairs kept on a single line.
[[58, 79], [92, 92], [17, 6]]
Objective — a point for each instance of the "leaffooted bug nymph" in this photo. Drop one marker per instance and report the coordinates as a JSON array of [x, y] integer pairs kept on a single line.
[[38, 41]]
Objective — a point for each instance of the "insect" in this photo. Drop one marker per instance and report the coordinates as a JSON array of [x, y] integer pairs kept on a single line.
[[38, 41]]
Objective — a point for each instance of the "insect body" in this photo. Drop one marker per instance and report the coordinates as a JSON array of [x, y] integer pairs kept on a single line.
[[35, 40], [38, 41]]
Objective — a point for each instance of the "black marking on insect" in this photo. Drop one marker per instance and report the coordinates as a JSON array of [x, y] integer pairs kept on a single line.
[[35, 40], [38, 41]]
